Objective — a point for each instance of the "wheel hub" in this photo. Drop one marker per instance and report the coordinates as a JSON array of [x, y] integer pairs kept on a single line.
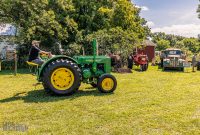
[[62, 78], [107, 84]]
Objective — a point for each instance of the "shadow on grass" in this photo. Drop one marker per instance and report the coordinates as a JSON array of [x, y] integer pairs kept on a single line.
[[173, 71], [11, 72], [39, 96], [138, 70]]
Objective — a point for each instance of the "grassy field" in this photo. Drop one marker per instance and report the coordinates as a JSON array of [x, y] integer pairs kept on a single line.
[[152, 102]]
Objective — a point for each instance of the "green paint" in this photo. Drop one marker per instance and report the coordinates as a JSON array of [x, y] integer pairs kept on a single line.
[[91, 66]]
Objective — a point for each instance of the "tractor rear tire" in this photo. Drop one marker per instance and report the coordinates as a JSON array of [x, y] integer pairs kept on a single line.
[[47, 90], [107, 83], [62, 77]]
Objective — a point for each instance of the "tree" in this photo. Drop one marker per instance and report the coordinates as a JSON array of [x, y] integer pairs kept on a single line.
[[192, 44], [173, 39], [163, 44], [127, 17], [114, 40], [91, 15], [71, 21], [45, 20], [180, 44]]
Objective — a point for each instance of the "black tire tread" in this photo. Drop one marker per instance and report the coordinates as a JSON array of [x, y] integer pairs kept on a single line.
[[61, 63], [101, 79]]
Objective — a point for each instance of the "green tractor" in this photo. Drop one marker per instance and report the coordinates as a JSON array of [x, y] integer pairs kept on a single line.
[[62, 75]]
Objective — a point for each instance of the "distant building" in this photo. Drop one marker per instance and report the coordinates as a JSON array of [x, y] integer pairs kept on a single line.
[[6, 47], [7, 32], [148, 47]]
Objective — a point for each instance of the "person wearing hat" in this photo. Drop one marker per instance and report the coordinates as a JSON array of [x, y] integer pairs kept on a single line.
[[34, 53]]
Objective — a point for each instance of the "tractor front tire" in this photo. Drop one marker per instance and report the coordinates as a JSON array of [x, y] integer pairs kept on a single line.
[[107, 83], [143, 67], [62, 77]]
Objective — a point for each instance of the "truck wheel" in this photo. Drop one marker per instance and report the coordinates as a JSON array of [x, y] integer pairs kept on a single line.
[[107, 83], [182, 69], [164, 68], [62, 77]]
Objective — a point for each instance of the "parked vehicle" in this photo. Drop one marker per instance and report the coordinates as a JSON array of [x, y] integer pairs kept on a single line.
[[63, 75], [173, 58], [141, 60]]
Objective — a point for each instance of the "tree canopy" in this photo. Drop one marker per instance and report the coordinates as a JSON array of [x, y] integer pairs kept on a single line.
[[163, 44], [72, 22], [168, 40]]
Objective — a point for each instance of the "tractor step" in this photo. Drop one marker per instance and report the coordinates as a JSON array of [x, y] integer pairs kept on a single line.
[[36, 84]]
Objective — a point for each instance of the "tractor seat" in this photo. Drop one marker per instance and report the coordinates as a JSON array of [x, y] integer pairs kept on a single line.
[[32, 67], [32, 64]]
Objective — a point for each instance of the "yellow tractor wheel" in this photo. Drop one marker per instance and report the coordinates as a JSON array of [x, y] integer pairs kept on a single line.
[[107, 83], [62, 77]]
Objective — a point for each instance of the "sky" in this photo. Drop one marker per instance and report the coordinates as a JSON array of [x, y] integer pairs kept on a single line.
[[177, 17]]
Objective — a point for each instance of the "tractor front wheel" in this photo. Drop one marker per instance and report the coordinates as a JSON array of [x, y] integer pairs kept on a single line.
[[146, 67], [143, 67], [107, 83], [62, 77]]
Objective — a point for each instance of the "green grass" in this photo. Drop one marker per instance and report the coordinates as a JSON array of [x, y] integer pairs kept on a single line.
[[152, 102]]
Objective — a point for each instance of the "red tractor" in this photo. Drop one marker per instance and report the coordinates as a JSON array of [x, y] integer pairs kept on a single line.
[[138, 60], [141, 60]]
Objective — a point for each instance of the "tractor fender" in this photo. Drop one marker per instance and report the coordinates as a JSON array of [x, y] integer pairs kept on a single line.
[[41, 69]]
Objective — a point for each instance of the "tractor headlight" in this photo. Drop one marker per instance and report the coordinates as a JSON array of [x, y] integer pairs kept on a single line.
[[143, 59]]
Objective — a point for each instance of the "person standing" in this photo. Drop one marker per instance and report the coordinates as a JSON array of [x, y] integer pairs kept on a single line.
[[194, 60], [130, 61], [162, 57]]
